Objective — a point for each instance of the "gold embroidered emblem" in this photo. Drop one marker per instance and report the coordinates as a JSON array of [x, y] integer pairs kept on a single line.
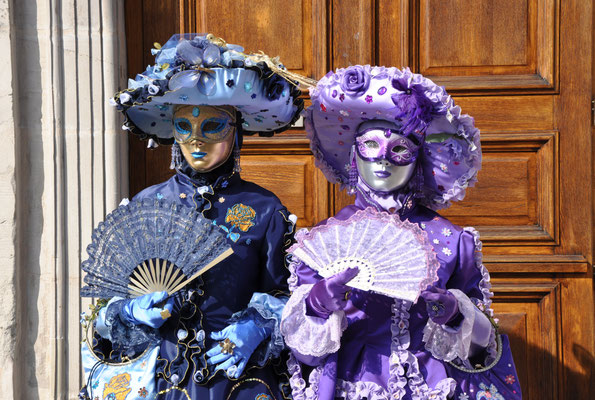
[[118, 387], [240, 216]]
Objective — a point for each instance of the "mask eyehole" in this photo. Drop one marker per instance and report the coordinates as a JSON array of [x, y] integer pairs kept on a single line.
[[371, 144], [400, 150]]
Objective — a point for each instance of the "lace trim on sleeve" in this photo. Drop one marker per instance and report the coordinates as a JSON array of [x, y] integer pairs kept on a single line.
[[311, 336], [484, 284], [446, 343], [127, 337], [265, 310]]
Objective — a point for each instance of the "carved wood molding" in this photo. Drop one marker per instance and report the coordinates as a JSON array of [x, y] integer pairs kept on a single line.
[[200, 16], [536, 264], [529, 313], [524, 291], [536, 223], [515, 49]]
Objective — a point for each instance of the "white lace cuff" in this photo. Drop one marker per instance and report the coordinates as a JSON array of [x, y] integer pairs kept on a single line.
[[310, 336], [472, 336]]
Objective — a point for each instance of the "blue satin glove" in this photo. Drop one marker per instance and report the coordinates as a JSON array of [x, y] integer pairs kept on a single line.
[[246, 336], [143, 310]]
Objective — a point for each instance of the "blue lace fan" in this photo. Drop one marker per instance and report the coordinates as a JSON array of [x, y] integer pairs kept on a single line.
[[150, 246]]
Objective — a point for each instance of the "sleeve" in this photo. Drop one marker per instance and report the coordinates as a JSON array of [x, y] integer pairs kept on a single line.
[[309, 337], [278, 238], [469, 283], [265, 307]]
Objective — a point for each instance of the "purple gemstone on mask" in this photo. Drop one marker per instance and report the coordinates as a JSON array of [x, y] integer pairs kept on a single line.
[[334, 94], [382, 90]]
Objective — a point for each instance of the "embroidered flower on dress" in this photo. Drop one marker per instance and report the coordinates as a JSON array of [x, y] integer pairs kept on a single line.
[[463, 396], [446, 251], [510, 379], [143, 392], [182, 195], [436, 241], [490, 393], [240, 216], [446, 232]]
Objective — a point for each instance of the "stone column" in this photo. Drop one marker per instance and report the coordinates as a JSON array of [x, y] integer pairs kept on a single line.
[[64, 166]]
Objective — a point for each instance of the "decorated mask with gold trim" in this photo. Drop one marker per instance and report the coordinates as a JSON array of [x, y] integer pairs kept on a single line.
[[205, 135]]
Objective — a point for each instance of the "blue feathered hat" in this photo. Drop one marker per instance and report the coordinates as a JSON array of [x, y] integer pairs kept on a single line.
[[199, 69]]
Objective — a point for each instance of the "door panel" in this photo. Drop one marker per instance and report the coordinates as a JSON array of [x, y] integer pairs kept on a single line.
[[521, 68]]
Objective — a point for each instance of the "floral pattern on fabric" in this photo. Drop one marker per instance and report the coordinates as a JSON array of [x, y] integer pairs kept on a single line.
[[241, 217]]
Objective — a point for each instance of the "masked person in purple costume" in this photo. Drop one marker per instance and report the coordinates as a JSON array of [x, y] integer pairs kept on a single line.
[[398, 142], [219, 337]]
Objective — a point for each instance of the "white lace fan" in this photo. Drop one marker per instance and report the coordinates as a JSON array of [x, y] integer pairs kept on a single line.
[[394, 257], [151, 246]]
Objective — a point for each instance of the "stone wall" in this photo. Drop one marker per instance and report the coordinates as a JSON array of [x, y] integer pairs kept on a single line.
[[63, 166]]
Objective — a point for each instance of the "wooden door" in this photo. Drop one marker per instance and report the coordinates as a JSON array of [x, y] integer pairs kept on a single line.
[[522, 68]]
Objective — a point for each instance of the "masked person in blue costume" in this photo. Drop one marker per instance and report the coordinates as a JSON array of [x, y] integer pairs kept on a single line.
[[219, 337]]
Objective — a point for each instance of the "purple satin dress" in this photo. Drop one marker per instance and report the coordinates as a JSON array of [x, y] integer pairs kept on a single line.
[[388, 348]]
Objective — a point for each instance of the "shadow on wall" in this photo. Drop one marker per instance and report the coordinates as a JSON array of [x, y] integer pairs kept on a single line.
[[543, 375], [30, 182]]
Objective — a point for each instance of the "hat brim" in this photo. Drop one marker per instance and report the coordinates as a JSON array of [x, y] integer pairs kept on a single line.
[[151, 116]]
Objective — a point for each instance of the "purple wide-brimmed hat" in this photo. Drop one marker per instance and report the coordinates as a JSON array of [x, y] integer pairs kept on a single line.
[[451, 155], [201, 69]]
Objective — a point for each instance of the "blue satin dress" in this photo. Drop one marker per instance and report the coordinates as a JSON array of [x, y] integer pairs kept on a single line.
[[250, 284]]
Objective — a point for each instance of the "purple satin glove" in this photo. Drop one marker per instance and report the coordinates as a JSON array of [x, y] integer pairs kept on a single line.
[[330, 294], [442, 306]]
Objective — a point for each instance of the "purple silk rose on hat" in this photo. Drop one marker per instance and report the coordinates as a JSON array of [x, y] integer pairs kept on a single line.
[[355, 80], [416, 109]]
